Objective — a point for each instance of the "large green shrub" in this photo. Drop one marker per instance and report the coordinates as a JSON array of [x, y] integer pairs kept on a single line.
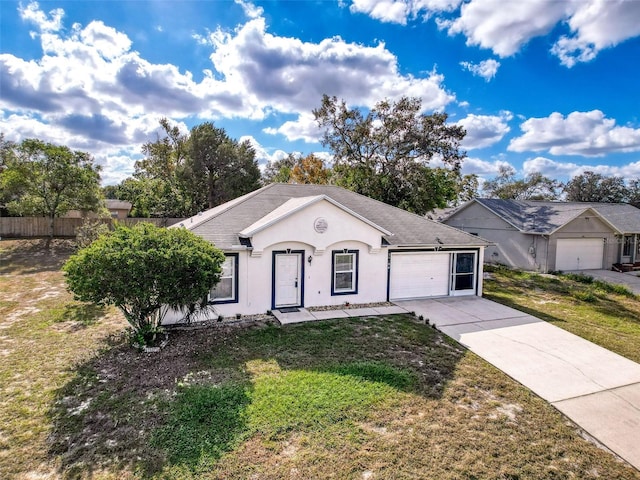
[[145, 271]]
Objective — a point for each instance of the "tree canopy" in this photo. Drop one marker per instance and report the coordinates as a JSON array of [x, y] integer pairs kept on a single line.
[[183, 174], [41, 178], [145, 271], [385, 154], [297, 169], [534, 186], [594, 187]]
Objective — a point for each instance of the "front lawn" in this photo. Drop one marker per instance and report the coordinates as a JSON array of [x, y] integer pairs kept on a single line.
[[359, 398], [605, 314]]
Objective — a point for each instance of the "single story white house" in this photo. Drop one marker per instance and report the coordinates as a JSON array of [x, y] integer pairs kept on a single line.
[[553, 236], [290, 245]]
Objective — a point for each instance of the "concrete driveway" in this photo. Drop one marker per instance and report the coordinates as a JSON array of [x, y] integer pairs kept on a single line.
[[597, 389], [630, 279]]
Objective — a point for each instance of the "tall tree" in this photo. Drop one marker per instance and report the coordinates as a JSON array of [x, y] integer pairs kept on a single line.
[[46, 179], [534, 186], [467, 188], [7, 156], [279, 171], [594, 187], [633, 189], [183, 174], [310, 169], [166, 156], [221, 168], [384, 153]]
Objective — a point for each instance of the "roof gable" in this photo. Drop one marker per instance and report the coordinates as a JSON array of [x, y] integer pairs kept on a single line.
[[545, 218], [294, 205]]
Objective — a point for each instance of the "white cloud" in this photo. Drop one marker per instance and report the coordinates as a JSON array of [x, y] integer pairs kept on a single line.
[[551, 168], [390, 11], [600, 24], [505, 27], [399, 11], [262, 154], [303, 128], [291, 76], [486, 69], [116, 165], [579, 133], [44, 22], [484, 130], [90, 90], [250, 10], [566, 170], [472, 165]]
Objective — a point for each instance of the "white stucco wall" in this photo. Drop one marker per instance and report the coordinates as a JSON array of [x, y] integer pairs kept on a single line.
[[299, 227], [296, 232]]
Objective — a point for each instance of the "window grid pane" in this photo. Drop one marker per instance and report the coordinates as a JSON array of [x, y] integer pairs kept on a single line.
[[464, 271], [344, 265], [344, 281], [225, 290], [344, 262]]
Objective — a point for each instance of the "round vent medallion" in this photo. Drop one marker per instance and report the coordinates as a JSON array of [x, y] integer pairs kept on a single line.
[[320, 225]]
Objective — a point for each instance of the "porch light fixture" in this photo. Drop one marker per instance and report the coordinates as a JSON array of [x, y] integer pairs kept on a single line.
[[309, 259]]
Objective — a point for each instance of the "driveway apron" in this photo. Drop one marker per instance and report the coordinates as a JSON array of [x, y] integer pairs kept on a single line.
[[598, 389]]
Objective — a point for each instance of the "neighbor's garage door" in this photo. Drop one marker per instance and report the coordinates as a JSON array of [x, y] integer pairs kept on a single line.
[[416, 275], [579, 253]]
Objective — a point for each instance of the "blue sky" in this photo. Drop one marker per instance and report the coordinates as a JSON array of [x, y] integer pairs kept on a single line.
[[549, 86]]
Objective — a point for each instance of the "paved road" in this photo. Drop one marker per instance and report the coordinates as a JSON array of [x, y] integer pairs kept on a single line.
[[597, 389]]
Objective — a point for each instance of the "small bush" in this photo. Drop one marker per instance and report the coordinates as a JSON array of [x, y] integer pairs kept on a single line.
[[614, 288], [579, 277], [586, 296], [90, 231]]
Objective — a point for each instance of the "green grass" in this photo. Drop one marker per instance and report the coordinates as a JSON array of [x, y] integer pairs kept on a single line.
[[375, 397], [603, 313], [207, 421]]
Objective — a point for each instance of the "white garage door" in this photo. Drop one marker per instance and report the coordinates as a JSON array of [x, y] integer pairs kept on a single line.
[[579, 253], [416, 275]]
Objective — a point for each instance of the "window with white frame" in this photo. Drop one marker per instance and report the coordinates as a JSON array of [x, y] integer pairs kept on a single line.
[[226, 291], [344, 275]]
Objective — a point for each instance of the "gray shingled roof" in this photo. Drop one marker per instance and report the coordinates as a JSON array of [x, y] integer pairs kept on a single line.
[[221, 225], [118, 204], [531, 216]]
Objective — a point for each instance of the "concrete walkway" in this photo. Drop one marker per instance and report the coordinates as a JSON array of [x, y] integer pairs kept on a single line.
[[304, 315], [597, 389]]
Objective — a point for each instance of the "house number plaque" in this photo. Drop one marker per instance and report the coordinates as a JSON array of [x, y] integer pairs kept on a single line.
[[320, 225]]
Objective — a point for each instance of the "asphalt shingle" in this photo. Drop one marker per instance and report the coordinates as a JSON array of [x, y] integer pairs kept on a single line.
[[532, 216], [222, 225]]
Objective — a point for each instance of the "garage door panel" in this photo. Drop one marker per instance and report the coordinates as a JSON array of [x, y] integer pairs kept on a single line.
[[417, 275], [579, 253]]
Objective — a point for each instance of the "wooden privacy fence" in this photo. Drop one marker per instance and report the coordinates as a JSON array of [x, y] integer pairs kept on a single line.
[[34, 227]]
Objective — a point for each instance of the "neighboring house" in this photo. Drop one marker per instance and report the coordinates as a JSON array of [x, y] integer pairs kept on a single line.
[[553, 236], [317, 245], [118, 209]]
